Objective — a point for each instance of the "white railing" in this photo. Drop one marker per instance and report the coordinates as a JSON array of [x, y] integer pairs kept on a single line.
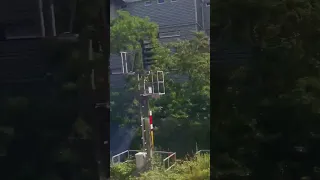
[[168, 162], [117, 158]]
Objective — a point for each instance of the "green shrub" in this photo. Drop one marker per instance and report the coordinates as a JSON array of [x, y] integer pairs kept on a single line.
[[197, 168], [122, 171]]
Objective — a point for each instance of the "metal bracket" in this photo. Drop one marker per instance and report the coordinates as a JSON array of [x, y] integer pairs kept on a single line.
[[124, 62], [155, 87], [126, 66], [160, 83]]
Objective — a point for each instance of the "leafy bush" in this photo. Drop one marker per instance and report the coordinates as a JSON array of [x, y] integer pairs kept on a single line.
[[122, 171], [197, 168]]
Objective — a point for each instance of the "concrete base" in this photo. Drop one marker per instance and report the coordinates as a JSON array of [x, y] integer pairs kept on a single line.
[[141, 160]]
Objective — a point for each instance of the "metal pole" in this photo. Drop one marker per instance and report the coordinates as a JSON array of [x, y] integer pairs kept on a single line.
[[148, 130], [122, 64], [43, 29], [125, 59], [141, 114], [53, 20], [144, 105], [151, 130], [145, 112], [73, 6]]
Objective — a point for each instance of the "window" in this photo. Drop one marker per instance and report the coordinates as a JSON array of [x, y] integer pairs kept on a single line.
[[147, 3], [173, 0], [160, 1], [208, 4]]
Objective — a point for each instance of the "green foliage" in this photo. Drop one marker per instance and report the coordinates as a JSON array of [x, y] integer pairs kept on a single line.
[[48, 124], [126, 31], [124, 109], [186, 103], [122, 171], [197, 168], [269, 105]]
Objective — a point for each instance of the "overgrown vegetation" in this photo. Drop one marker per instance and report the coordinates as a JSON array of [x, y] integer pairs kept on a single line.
[[265, 118], [186, 103], [46, 126], [196, 168]]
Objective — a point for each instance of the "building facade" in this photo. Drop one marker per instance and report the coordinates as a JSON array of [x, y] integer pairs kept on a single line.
[[114, 6], [177, 19]]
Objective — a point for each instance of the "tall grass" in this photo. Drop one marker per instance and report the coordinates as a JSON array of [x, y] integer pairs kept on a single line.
[[197, 168]]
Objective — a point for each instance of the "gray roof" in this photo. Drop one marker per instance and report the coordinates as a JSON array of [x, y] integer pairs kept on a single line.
[[117, 2]]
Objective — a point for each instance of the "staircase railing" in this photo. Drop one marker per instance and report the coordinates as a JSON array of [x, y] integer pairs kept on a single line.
[[168, 162], [117, 158]]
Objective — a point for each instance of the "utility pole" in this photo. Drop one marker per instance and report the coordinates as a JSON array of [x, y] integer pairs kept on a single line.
[[145, 92], [145, 125], [147, 88]]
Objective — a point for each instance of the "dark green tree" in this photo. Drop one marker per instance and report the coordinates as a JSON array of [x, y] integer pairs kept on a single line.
[[266, 119]]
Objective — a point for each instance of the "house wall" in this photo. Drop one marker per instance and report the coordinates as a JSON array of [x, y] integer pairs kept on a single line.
[[117, 81], [113, 10], [206, 14], [167, 14], [176, 19]]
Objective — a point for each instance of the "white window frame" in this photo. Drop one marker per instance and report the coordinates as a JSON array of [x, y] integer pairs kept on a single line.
[[161, 2], [148, 3], [169, 36]]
